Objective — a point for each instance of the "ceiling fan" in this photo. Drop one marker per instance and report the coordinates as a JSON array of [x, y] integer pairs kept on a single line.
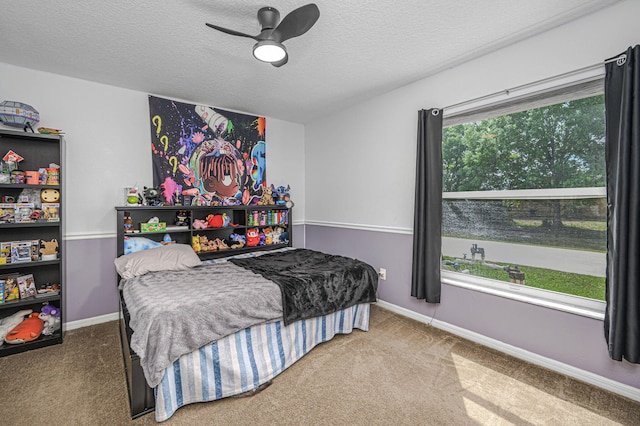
[[269, 47]]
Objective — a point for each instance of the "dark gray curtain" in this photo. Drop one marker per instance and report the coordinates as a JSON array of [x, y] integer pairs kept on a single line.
[[622, 104], [427, 221]]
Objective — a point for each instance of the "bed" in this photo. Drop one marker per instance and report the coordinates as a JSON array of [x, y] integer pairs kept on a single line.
[[196, 331]]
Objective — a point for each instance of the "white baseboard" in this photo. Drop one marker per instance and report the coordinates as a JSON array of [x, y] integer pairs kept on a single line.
[[90, 321], [560, 367]]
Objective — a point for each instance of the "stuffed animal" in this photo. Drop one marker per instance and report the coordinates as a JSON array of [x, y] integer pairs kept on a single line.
[[50, 248], [253, 237], [237, 241], [50, 315], [151, 196], [220, 244], [27, 331], [134, 244], [267, 198], [195, 243], [199, 224], [219, 221], [282, 195], [268, 235], [8, 323], [182, 218]]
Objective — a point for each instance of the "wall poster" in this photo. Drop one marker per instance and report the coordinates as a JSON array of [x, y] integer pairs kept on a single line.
[[206, 156]]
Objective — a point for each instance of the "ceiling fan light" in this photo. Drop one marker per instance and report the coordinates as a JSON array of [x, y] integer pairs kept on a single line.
[[269, 51]]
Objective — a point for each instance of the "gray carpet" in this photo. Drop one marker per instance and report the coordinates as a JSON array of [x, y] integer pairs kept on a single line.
[[399, 372]]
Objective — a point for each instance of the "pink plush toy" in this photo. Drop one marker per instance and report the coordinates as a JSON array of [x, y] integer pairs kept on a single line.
[[199, 224]]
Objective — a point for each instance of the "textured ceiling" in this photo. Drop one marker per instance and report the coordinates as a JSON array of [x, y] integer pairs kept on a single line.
[[356, 50]]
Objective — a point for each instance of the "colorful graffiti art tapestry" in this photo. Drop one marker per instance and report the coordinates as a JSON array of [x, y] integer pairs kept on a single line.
[[206, 156]]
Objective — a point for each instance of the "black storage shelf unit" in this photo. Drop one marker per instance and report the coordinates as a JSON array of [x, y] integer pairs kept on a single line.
[[239, 215], [38, 151]]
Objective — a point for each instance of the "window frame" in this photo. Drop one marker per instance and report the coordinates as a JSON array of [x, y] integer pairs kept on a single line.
[[525, 97]]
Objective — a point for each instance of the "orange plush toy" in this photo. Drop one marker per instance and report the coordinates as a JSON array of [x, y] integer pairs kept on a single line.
[[28, 330]]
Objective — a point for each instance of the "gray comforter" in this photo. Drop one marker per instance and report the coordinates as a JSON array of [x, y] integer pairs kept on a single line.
[[173, 313]]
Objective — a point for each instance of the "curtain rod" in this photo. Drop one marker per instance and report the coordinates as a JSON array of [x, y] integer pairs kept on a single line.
[[585, 70]]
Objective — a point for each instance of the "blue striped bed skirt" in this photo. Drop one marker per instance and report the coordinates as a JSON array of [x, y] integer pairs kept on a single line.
[[249, 358]]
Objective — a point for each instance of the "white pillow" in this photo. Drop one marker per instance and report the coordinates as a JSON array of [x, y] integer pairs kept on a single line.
[[172, 257]]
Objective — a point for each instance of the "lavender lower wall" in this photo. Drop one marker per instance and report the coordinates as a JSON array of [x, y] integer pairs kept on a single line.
[[571, 339], [90, 286]]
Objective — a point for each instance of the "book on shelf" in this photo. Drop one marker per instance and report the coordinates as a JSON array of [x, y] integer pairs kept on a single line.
[[11, 290], [27, 286], [2, 280]]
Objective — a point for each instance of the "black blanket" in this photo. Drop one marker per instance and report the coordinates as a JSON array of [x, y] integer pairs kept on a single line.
[[314, 283]]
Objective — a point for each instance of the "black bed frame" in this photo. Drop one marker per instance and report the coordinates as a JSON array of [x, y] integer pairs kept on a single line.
[[141, 397]]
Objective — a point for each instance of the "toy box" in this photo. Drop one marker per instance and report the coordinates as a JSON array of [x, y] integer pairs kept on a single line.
[[27, 286], [11, 290], [20, 251], [153, 227], [23, 212], [5, 252], [51, 212], [7, 212]]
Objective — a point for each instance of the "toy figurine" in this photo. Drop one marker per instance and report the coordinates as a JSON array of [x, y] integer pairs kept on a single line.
[[151, 196], [282, 196], [128, 222], [182, 218]]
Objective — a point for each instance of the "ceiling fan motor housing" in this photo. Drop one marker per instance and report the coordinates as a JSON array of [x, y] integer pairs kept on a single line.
[[268, 17]]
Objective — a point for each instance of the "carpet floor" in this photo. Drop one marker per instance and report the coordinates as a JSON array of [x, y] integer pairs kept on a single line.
[[400, 372]]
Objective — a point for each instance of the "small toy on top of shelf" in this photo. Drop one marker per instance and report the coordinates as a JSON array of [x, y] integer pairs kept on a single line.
[[19, 114], [151, 196], [49, 195], [266, 199], [132, 197], [50, 131], [282, 195]]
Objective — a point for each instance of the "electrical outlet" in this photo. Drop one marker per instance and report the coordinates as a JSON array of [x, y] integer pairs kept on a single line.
[[382, 274]]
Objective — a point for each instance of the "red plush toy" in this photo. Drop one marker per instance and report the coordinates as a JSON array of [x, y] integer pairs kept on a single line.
[[28, 330], [253, 237], [219, 221]]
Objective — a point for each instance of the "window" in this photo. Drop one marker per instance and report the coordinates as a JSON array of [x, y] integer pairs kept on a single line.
[[524, 200]]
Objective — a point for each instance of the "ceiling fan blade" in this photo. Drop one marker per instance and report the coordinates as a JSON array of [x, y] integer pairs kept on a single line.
[[296, 23], [232, 32], [281, 62]]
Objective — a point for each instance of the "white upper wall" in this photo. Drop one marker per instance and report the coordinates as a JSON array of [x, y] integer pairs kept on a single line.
[[108, 144], [361, 161]]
